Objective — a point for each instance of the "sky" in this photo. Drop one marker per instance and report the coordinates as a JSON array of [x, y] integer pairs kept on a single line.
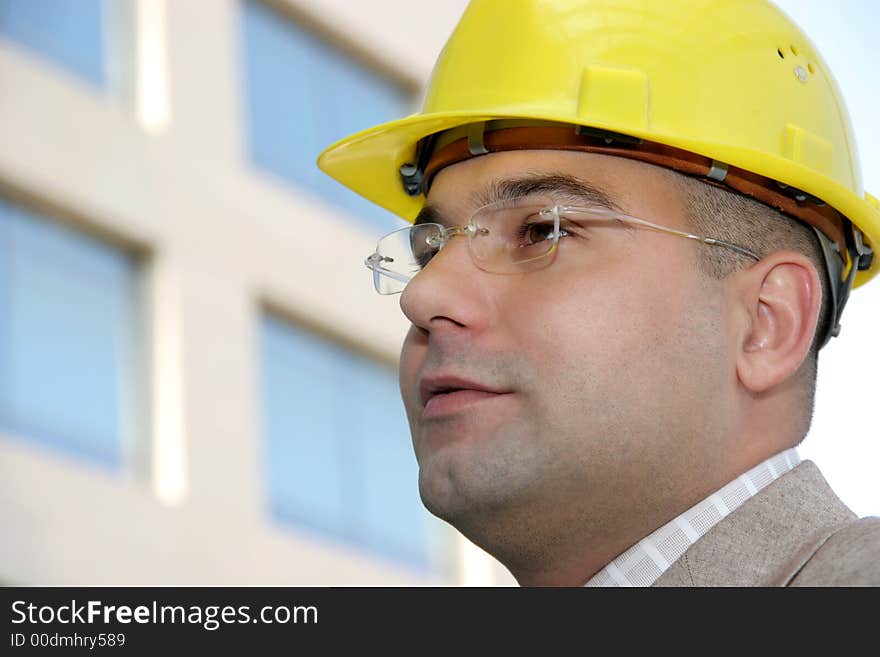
[[844, 440]]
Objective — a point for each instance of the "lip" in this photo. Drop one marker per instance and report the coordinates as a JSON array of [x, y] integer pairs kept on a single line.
[[447, 394]]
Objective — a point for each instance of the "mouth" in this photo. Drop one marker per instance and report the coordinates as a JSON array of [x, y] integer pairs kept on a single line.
[[443, 396]]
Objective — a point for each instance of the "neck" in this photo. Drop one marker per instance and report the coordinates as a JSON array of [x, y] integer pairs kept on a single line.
[[568, 545]]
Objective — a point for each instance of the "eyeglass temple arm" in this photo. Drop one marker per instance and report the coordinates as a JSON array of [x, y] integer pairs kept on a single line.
[[664, 229], [834, 263]]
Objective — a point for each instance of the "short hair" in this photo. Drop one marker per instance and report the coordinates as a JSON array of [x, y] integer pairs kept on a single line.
[[724, 214]]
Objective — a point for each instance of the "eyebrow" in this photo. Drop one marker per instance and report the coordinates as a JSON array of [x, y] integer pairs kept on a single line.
[[560, 185]]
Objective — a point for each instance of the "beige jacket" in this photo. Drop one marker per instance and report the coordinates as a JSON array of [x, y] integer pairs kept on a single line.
[[794, 532]]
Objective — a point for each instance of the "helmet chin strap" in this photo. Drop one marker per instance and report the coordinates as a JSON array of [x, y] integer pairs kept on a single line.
[[859, 255], [838, 284]]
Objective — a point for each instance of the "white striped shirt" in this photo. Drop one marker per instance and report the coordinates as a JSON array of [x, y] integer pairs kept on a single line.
[[644, 562]]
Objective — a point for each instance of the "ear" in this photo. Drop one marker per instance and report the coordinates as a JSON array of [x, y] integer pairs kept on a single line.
[[781, 297]]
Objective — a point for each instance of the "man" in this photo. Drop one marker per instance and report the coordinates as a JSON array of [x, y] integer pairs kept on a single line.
[[636, 224]]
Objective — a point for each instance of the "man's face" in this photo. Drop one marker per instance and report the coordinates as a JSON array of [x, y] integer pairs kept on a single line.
[[611, 360]]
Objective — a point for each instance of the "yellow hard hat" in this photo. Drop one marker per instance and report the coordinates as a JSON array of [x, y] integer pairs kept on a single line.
[[733, 84]]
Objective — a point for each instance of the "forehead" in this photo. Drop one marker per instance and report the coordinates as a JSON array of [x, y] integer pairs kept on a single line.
[[605, 181]]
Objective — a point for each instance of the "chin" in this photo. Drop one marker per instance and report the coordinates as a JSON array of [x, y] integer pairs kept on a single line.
[[465, 489], [440, 489]]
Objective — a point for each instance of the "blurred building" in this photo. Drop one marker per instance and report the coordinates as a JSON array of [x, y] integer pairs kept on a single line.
[[197, 383]]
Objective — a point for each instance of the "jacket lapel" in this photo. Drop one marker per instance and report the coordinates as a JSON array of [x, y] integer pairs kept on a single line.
[[767, 540]]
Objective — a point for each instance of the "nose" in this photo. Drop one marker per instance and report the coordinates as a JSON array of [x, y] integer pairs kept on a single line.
[[448, 289]]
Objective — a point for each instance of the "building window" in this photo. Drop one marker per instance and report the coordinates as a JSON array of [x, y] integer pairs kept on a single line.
[[339, 456], [71, 33], [67, 339], [302, 95]]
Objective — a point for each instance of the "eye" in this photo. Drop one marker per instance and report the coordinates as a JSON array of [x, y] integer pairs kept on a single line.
[[534, 232], [425, 242], [423, 257]]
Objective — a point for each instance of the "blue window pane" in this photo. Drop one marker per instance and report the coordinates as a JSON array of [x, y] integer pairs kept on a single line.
[[67, 328], [68, 32], [304, 464], [302, 95], [339, 456], [392, 516]]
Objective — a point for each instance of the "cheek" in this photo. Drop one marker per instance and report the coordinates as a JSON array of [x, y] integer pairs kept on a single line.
[[603, 316], [610, 334]]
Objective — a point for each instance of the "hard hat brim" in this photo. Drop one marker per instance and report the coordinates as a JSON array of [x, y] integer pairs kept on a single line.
[[368, 162]]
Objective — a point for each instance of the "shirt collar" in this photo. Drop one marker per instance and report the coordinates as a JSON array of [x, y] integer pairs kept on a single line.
[[645, 561]]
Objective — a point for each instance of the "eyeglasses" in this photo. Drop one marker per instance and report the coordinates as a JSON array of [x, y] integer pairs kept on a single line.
[[509, 236]]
